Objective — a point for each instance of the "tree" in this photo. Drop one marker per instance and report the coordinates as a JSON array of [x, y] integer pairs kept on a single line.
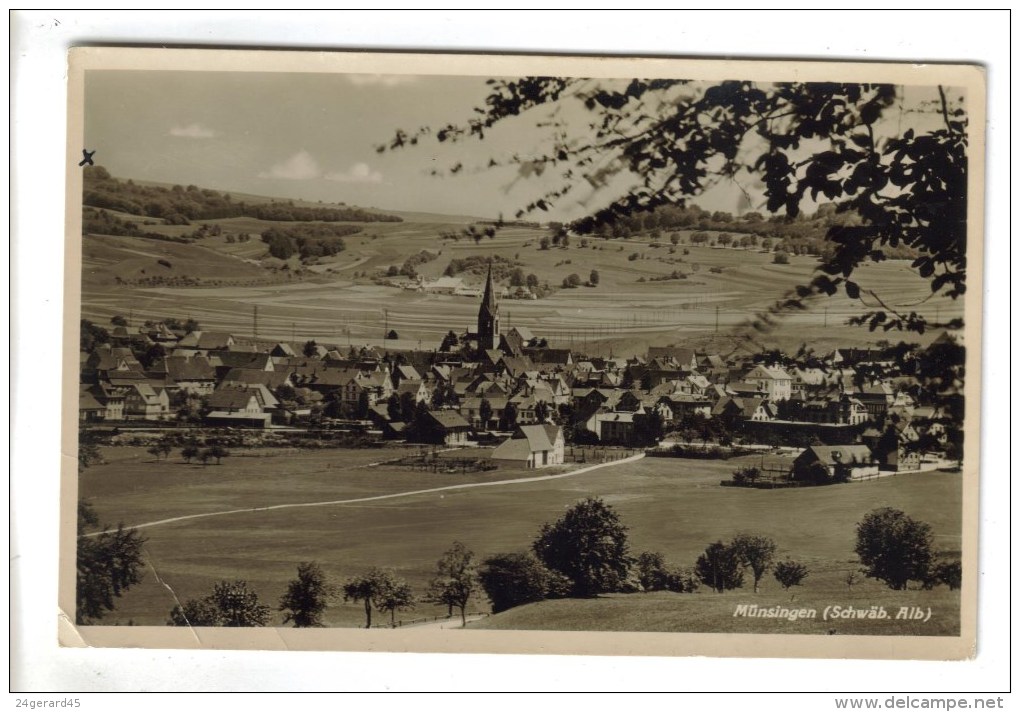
[[755, 552], [307, 596], [589, 546], [541, 411], [190, 451], [394, 594], [309, 349], [518, 578], [894, 548], [450, 341], [509, 419], [218, 452], [531, 280], [454, 582], [92, 336], [780, 258], [517, 277], [88, 449], [392, 334], [571, 281], [790, 573], [904, 179], [108, 564], [118, 320], [366, 589], [230, 605], [485, 413], [593, 278], [719, 567]]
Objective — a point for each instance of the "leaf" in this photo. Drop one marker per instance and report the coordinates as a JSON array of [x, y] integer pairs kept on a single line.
[[852, 290]]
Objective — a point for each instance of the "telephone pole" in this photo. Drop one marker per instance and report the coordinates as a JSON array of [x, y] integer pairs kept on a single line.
[[255, 320]]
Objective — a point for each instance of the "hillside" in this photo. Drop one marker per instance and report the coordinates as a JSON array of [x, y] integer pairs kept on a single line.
[[333, 281], [178, 205]]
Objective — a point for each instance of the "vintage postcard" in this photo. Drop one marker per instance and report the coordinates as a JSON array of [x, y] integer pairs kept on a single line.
[[521, 354]]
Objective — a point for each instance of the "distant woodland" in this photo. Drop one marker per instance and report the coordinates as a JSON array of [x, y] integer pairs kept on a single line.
[[180, 205]]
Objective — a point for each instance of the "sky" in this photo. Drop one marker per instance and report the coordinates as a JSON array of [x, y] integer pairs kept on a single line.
[[312, 136], [307, 136]]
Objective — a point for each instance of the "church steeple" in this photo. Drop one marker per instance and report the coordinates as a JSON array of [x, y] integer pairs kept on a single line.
[[488, 316]]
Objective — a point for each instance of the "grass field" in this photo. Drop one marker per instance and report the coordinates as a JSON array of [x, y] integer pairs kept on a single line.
[[671, 505], [709, 612], [621, 315]]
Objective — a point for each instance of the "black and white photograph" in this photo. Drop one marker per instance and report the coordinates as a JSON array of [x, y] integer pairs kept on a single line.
[[431, 352]]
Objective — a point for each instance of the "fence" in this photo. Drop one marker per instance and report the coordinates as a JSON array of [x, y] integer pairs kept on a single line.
[[597, 455], [427, 619]]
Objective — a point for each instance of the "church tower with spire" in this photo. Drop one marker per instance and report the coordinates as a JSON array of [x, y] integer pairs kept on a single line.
[[488, 317]]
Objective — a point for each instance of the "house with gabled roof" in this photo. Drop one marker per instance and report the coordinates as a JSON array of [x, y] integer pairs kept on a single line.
[[196, 343], [90, 409], [250, 376], [450, 428], [283, 350], [404, 372], [111, 398], [192, 374], [533, 446], [237, 405], [144, 402], [417, 390], [685, 359], [613, 427], [773, 380], [470, 409], [839, 463]]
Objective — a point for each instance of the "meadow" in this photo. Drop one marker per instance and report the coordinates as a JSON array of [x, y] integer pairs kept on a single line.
[[674, 506]]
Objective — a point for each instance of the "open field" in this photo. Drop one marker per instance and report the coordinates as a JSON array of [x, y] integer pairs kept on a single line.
[[671, 505], [621, 315]]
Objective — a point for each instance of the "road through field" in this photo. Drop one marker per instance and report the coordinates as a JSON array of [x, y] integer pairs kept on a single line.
[[375, 498]]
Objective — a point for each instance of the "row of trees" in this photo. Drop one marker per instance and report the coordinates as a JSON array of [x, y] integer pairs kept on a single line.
[[583, 554]]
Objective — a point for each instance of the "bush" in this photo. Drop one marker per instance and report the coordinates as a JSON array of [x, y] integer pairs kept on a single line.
[[571, 281], [950, 573], [746, 476], [652, 571], [790, 573], [230, 605], [780, 258], [514, 579]]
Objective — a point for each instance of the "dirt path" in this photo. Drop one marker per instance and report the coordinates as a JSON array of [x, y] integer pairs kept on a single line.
[[376, 498]]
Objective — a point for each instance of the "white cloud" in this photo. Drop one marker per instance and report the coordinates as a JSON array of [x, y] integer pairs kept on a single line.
[[192, 131], [386, 80], [300, 166], [358, 173]]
